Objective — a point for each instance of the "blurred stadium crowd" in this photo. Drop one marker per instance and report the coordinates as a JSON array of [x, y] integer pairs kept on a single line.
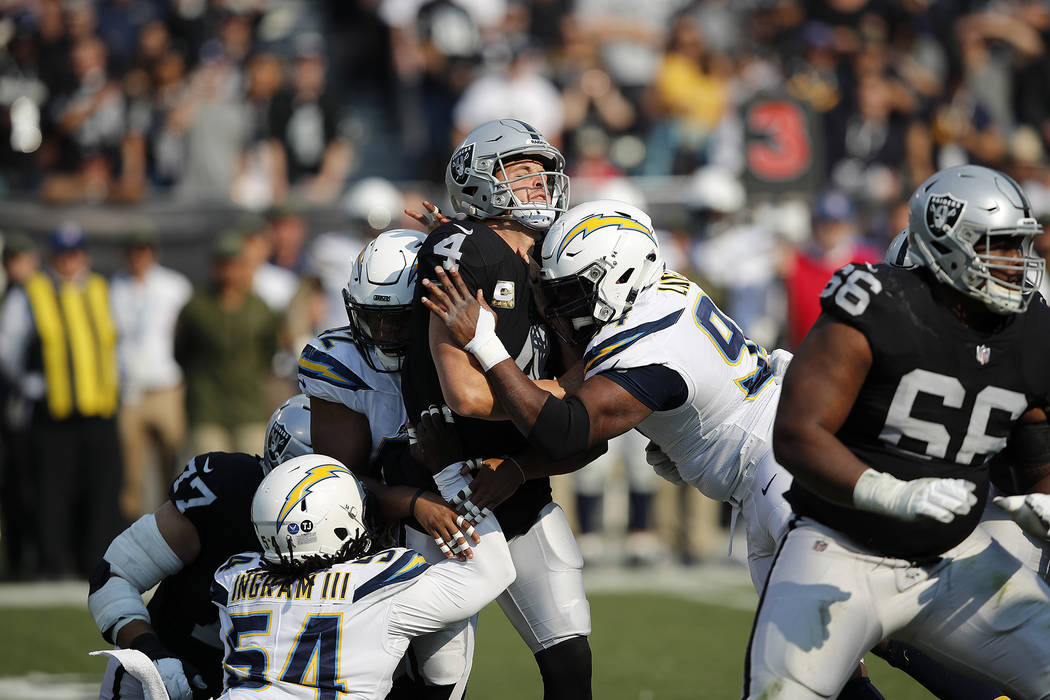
[[772, 140]]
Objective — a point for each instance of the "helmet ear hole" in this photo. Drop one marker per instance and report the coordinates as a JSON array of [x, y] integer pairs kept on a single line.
[[625, 276], [341, 533]]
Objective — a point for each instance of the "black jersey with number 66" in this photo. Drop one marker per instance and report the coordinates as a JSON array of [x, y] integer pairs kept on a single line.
[[939, 400], [485, 262]]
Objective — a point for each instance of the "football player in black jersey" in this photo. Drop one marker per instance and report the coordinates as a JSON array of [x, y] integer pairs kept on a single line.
[[507, 183], [206, 519], [909, 383]]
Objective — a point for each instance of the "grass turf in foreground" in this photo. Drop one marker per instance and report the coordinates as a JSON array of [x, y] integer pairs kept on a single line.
[[646, 647]]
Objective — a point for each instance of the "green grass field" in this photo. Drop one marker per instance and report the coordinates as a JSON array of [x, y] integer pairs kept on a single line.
[[646, 647]]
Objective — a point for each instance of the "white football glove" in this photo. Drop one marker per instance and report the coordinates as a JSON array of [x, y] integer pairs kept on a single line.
[[662, 464], [940, 499], [1031, 512], [179, 680], [174, 678]]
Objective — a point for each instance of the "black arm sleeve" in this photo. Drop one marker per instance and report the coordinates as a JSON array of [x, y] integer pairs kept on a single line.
[[562, 428]]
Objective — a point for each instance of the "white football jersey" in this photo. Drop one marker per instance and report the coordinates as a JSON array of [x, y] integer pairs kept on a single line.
[[716, 436], [332, 368], [341, 632]]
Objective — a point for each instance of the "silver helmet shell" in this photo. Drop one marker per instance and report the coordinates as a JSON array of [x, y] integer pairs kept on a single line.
[[958, 218], [477, 181]]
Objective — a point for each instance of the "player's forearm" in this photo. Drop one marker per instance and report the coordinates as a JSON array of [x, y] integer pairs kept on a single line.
[[131, 631], [520, 397], [818, 460], [535, 465]]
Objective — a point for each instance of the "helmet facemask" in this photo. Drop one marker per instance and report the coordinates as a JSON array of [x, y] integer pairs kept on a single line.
[[971, 268], [381, 331], [535, 215], [571, 306]]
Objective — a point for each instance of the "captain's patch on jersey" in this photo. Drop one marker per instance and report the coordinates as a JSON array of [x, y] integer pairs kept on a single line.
[[942, 213], [503, 294]]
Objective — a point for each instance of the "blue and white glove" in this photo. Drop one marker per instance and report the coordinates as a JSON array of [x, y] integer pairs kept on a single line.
[[181, 680], [1030, 511], [940, 499]]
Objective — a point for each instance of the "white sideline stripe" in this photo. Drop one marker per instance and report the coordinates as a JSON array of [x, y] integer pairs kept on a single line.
[[714, 583], [48, 686], [47, 594]]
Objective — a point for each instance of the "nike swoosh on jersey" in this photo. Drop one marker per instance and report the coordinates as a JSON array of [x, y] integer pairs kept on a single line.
[[769, 484]]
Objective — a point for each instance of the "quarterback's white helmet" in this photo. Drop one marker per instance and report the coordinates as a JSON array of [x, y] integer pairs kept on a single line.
[[288, 432], [595, 260], [956, 217], [378, 297], [310, 506], [475, 189]]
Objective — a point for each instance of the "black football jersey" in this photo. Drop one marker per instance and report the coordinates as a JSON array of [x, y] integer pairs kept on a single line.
[[940, 398], [485, 262], [215, 492]]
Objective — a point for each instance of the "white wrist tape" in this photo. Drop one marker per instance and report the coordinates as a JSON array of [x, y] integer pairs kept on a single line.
[[114, 605], [486, 345], [141, 555]]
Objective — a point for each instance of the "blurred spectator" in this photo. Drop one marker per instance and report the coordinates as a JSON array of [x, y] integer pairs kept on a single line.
[[98, 157], [287, 236], [58, 351], [20, 260], [739, 256], [517, 91], [328, 260], [225, 339], [305, 119], [146, 299], [835, 243], [210, 125], [691, 94], [17, 480], [865, 147], [596, 109], [274, 285], [261, 179]]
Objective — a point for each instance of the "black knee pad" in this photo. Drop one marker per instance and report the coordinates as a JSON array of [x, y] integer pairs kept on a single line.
[[860, 689], [566, 670]]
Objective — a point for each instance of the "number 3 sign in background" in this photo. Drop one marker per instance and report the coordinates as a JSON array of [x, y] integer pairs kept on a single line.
[[780, 144]]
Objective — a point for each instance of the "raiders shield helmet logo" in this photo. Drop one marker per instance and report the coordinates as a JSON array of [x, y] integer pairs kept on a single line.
[[943, 212], [276, 441], [460, 160]]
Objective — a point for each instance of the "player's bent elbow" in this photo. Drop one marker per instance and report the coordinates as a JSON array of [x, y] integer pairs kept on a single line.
[[468, 402], [787, 439]]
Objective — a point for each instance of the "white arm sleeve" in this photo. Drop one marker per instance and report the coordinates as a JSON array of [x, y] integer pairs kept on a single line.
[[450, 591]]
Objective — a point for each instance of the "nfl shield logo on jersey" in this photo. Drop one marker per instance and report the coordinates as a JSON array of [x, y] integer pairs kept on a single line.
[[942, 213], [984, 353]]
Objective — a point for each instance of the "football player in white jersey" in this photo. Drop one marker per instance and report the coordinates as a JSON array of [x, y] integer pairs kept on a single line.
[[352, 376], [324, 611], [659, 356]]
